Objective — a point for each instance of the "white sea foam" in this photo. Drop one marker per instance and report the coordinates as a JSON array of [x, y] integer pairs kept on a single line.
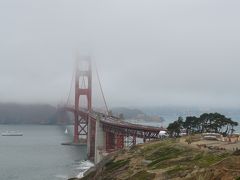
[[83, 167]]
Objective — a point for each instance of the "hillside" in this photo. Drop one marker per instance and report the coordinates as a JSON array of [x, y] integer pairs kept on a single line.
[[127, 112], [136, 114], [11, 113], [168, 159]]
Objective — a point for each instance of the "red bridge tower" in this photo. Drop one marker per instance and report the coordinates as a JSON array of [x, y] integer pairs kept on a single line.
[[85, 89]]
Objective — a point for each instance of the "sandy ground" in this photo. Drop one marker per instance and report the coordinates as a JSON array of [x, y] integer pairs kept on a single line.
[[231, 146]]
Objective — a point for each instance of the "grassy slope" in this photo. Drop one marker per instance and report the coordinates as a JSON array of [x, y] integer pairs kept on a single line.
[[169, 160]]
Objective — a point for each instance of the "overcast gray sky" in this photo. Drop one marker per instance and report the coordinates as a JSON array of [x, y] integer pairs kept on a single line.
[[148, 52]]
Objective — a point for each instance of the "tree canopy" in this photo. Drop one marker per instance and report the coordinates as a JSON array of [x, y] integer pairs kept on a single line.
[[205, 123]]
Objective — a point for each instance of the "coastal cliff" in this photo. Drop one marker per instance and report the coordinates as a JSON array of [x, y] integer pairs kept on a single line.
[[169, 159]]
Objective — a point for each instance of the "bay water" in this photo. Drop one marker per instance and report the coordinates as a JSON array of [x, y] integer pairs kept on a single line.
[[38, 154]]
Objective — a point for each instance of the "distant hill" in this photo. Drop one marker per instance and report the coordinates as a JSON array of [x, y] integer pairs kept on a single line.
[[11, 113], [135, 114], [127, 112]]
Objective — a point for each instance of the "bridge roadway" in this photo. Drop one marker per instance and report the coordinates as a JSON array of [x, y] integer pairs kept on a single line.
[[118, 126], [108, 133]]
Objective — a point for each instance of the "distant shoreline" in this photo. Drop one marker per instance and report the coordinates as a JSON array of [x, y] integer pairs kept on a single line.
[[35, 124]]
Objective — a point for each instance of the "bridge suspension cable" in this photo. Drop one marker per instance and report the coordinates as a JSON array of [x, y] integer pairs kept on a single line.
[[99, 82], [68, 97]]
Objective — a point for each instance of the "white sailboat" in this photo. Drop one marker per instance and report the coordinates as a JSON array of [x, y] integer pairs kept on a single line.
[[66, 131]]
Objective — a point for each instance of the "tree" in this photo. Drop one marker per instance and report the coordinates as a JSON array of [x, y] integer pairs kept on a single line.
[[207, 122], [174, 128], [190, 124]]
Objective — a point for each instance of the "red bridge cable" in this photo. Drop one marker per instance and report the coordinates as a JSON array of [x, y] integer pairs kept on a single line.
[[70, 87], [101, 88]]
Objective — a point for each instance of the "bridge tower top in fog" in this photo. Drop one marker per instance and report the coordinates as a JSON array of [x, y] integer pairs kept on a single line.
[[83, 87]]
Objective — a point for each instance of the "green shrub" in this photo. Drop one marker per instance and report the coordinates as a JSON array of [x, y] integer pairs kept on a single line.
[[142, 175], [113, 165]]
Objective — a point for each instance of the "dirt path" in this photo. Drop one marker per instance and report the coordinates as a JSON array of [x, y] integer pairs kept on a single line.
[[221, 144]]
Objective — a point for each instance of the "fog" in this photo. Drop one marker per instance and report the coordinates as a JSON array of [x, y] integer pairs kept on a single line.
[[148, 52]]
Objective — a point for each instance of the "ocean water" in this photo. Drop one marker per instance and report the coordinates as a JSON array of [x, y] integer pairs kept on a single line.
[[39, 155]]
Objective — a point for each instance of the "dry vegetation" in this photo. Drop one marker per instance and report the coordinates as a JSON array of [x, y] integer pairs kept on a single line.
[[169, 159]]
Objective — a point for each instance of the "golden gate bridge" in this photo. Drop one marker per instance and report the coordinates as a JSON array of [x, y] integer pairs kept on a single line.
[[102, 132]]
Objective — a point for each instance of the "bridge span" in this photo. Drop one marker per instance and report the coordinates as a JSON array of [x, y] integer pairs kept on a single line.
[[103, 133]]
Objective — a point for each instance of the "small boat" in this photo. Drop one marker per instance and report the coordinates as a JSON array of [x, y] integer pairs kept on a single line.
[[12, 133], [66, 131]]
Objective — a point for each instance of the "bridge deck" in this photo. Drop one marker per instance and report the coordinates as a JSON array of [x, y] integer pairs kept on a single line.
[[123, 124], [119, 126]]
